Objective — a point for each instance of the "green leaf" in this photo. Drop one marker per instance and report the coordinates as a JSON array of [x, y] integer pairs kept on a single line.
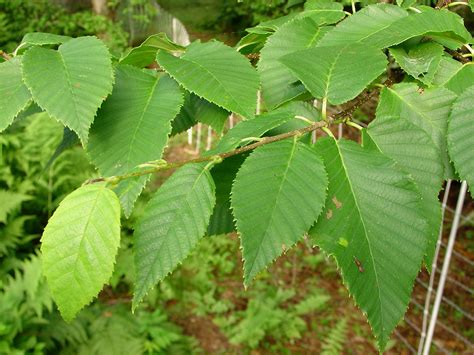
[[460, 136], [416, 154], [14, 95], [331, 11], [406, 3], [217, 73], [448, 67], [70, 83], [174, 221], [364, 24], [297, 109], [145, 54], [385, 25], [270, 26], [196, 109], [421, 61], [79, 246], [462, 79], [427, 109], [328, 72], [222, 220], [133, 126], [278, 81], [252, 128], [277, 196], [183, 121], [251, 43], [42, 39], [373, 226]]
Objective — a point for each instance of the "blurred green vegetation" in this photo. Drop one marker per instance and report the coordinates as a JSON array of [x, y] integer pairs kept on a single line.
[[18, 17]]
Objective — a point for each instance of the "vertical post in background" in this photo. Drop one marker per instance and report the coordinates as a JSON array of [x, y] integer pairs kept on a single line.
[[426, 310], [445, 269], [198, 137], [209, 138]]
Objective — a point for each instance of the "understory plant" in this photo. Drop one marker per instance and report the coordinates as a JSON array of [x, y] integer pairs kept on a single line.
[[279, 176]]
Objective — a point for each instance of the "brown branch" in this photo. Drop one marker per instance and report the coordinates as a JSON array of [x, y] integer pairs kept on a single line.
[[458, 56], [360, 101], [5, 55], [217, 157]]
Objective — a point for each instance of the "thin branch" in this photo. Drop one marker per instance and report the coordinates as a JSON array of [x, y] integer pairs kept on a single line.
[[458, 56], [361, 100], [213, 158], [5, 55]]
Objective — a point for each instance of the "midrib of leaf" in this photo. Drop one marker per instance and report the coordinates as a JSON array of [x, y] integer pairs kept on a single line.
[[365, 232], [272, 215], [426, 118], [68, 79], [315, 36], [134, 136], [331, 69], [379, 30], [170, 227], [74, 271], [218, 81]]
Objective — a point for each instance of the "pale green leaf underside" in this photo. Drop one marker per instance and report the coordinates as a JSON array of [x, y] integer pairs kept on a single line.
[[328, 72], [416, 154], [461, 136], [79, 246], [173, 222], [145, 54], [277, 196], [278, 82], [70, 83], [373, 226], [421, 62], [14, 95], [133, 126], [385, 25], [42, 39], [217, 73], [428, 110]]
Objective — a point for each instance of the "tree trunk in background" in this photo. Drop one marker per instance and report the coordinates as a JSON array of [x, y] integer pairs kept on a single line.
[[100, 7]]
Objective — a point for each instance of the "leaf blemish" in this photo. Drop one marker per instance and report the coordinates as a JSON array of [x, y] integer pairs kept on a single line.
[[343, 242], [336, 202], [358, 264], [329, 214]]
